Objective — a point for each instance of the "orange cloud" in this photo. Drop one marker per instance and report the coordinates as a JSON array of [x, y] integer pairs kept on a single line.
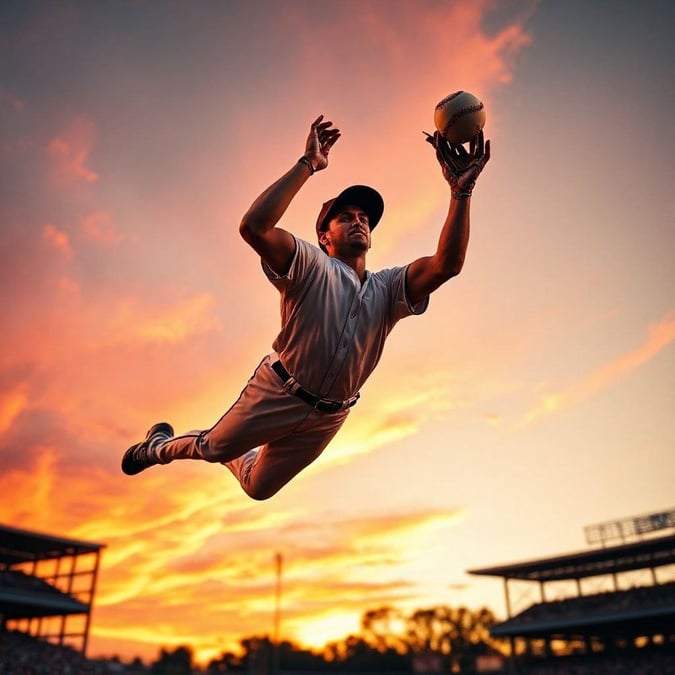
[[27, 494], [69, 152], [130, 322], [170, 548], [12, 403], [659, 336]]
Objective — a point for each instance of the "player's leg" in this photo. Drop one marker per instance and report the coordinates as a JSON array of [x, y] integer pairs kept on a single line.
[[263, 413], [263, 472], [235, 433]]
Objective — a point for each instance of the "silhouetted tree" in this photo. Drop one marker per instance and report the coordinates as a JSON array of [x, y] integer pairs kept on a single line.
[[177, 662], [458, 634], [355, 653], [260, 654], [389, 643], [382, 629], [226, 663]]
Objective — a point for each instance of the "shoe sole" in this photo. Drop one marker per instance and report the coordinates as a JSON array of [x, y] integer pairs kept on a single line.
[[129, 465]]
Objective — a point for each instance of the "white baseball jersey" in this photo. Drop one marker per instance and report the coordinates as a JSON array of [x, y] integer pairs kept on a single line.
[[333, 328]]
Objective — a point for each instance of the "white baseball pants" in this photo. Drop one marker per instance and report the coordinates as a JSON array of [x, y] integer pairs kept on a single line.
[[266, 438]]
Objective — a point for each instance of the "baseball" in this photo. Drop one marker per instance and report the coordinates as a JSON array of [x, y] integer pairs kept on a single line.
[[459, 117]]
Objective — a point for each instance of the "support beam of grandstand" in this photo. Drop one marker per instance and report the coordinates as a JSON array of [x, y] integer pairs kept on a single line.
[[93, 591]]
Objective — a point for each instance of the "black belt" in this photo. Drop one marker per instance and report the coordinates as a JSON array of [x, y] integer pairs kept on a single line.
[[324, 405]]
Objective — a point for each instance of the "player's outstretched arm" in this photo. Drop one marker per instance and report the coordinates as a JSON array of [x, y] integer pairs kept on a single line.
[[258, 226], [461, 169]]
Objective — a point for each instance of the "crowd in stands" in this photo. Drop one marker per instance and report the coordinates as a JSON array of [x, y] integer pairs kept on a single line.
[[599, 604], [21, 654]]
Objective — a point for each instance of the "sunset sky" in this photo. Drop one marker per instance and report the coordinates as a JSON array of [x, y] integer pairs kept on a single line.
[[535, 396]]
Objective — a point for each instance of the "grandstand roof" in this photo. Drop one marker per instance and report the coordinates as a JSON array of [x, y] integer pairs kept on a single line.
[[641, 554], [18, 546], [25, 603], [638, 621]]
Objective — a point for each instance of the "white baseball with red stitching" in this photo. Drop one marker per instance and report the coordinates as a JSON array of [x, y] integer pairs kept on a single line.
[[459, 117]]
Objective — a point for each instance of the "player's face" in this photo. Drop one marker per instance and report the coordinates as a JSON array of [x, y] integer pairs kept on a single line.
[[349, 230]]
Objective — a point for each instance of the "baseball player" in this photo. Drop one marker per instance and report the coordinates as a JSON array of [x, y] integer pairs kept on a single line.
[[335, 318]]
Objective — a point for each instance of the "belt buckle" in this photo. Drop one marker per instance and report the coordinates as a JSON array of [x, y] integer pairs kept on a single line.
[[324, 405]]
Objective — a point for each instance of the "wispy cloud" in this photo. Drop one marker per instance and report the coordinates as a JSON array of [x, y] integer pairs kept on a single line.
[[68, 152], [659, 336], [58, 239], [12, 402], [99, 227], [133, 321]]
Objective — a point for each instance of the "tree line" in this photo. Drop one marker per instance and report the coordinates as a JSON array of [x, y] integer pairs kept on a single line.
[[437, 639]]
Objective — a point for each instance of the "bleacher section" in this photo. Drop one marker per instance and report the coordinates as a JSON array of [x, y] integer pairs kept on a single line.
[[652, 607], [623, 630]]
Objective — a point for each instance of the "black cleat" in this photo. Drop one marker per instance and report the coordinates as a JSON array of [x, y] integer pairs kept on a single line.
[[139, 457]]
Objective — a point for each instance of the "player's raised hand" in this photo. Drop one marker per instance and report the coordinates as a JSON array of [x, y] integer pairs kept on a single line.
[[461, 168], [322, 137]]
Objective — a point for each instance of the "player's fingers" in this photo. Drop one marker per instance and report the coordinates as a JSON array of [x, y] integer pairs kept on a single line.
[[444, 161], [453, 162], [316, 122], [324, 132], [443, 158], [480, 143], [444, 148], [486, 155], [460, 151], [330, 142]]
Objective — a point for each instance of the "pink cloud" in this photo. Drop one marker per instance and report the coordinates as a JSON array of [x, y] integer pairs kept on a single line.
[[98, 227], [58, 239], [69, 151], [12, 101]]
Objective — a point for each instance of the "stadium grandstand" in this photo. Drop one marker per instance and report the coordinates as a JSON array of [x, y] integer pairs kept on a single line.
[[609, 609], [47, 586]]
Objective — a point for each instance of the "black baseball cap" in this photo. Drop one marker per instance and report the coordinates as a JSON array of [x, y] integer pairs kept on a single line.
[[366, 197]]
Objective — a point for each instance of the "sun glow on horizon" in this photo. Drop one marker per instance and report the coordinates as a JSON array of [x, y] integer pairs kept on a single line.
[[328, 626]]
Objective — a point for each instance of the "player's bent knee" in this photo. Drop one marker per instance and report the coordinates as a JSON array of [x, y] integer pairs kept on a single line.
[[216, 452], [260, 492]]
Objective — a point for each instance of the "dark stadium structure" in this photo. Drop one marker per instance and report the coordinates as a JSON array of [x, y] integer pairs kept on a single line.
[[633, 614], [47, 585]]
